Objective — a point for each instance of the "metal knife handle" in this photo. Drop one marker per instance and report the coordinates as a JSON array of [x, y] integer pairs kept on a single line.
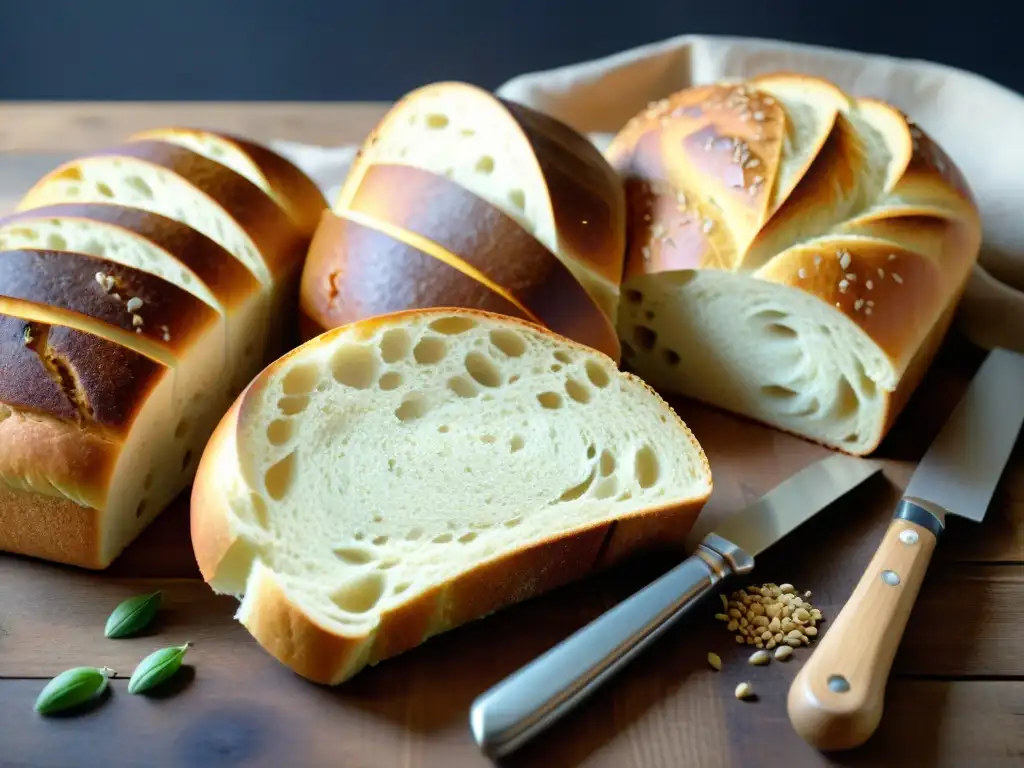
[[836, 700], [531, 699]]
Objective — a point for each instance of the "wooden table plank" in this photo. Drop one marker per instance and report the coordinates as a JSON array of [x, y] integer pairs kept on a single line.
[[79, 127]]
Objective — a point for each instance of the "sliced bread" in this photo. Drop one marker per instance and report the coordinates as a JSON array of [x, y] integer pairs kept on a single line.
[[397, 477]]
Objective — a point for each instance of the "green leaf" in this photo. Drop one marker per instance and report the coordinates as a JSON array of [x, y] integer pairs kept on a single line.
[[72, 687], [133, 615], [156, 668]]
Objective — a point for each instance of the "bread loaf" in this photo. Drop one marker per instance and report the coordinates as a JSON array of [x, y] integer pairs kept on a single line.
[[508, 196], [402, 475], [138, 292], [795, 254]]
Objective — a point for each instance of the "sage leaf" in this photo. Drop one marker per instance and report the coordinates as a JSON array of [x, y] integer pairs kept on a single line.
[[157, 667], [72, 687], [133, 615]]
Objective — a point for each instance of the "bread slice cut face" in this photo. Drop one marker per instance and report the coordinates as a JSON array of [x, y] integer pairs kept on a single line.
[[397, 477], [795, 255]]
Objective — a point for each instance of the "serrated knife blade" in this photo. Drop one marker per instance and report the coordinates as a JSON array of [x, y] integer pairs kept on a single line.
[[531, 699]]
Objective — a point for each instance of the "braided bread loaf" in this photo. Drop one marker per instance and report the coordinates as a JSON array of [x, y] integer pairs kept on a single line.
[[795, 255]]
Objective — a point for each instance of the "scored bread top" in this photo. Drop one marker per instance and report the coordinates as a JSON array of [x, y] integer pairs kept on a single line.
[[354, 271], [538, 171], [136, 238], [286, 184], [787, 179], [395, 477], [492, 244]]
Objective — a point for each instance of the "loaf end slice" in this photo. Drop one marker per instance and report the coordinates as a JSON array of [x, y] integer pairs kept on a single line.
[[397, 477]]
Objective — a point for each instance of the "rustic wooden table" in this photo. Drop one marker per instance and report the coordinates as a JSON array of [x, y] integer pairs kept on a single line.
[[956, 697]]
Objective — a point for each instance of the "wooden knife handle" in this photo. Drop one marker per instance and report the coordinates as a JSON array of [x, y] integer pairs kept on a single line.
[[836, 700]]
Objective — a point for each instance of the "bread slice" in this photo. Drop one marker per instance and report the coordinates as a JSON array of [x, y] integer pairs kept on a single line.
[[795, 256], [286, 184], [535, 169], [397, 477]]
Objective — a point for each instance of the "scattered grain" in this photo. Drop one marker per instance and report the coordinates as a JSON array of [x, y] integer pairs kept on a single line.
[[759, 658], [783, 652], [744, 691], [714, 661]]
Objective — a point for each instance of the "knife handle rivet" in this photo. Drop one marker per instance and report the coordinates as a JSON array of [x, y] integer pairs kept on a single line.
[[891, 578], [909, 537], [838, 684]]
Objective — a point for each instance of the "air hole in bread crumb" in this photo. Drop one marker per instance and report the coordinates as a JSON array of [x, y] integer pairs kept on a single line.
[[607, 463], [359, 536], [301, 379], [633, 296], [400, 588], [354, 366], [414, 406], [436, 120], [518, 198], [847, 401], [778, 392], [509, 342], [462, 386], [56, 242], [489, 439], [390, 380], [139, 185], [181, 430], [353, 555], [769, 315], [443, 429], [395, 345], [484, 165], [591, 451], [258, 507], [414, 535], [646, 467], [563, 357], [607, 488], [360, 595], [378, 518], [387, 564], [644, 337], [780, 331], [483, 370], [468, 537], [139, 510], [648, 315], [442, 538], [292, 405], [279, 431], [104, 189], [556, 367], [430, 350], [853, 437], [550, 400], [278, 479], [513, 522], [454, 325], [577, 391], [577, 491], [186, 460], [380, 541], [147, 482], [597, 374], [671, 357], [517, 443]]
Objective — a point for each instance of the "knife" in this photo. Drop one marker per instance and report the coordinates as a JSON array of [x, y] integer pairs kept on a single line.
[[835, 702], [528, 701]]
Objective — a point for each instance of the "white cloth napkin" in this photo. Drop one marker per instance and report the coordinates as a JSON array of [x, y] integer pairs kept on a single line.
[[979, 123]]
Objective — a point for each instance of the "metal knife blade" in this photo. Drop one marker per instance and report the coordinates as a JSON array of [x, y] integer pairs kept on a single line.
[[531, 699], [836, 700], [961, 468]]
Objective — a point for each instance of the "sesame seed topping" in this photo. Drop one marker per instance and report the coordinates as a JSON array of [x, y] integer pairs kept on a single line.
[[869, 285], [851, 277], [27, 336], [752, 163], [106, 281], [802, 273], [867, 310], [892, 257], [843, 285], [708, 225], [897, 279], [134, 304], [881, 274], [759, 116], [137, 321], [681, 198], [858, 304], [658, 230], [870, 303], [817, 260], [768, 100], [844, 258], [646, 251], [647, 217]]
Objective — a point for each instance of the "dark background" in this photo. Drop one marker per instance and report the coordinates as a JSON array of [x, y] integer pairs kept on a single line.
[[345, 50]]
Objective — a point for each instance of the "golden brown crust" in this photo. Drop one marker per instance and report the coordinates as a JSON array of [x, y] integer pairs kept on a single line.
[[354, 272], [324, 655], [586, 193], [171, 317], [50, 528], [229, 282], [490, 242]]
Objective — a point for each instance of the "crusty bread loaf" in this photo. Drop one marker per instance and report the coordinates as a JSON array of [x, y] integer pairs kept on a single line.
[[137, 289], [505, 194], [795, 255], [399, 476]]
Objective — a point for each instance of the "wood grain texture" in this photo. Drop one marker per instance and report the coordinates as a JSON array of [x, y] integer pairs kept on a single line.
[[955, 697]]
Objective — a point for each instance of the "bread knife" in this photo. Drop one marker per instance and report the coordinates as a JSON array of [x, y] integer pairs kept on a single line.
[[531, 699], [836, 700]]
